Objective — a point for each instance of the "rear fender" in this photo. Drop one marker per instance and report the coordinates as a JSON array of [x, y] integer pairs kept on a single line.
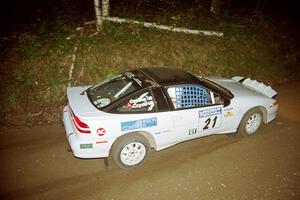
[[145, 134], [256, 86]]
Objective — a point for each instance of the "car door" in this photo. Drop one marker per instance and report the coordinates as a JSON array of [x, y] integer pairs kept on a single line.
[[210, 119], [195, 112], [147, 110]]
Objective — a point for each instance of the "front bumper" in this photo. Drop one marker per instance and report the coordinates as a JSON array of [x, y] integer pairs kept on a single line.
[[272, 113], [83, 147]]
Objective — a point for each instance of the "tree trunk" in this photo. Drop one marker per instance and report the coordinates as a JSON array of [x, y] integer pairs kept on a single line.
[[105, 8], [98, 15]]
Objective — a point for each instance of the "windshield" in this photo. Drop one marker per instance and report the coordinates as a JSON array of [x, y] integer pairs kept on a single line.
[[110, 90]]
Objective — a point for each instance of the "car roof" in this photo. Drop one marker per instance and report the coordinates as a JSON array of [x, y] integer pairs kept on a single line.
[[169, 76]]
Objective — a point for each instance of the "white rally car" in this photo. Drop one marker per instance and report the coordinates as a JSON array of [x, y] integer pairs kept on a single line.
[[125, 116]]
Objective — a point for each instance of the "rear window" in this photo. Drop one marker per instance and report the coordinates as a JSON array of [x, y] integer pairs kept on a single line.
[[110, 90]]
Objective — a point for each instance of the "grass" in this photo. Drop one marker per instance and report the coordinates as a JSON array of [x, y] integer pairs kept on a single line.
[[38, 66]]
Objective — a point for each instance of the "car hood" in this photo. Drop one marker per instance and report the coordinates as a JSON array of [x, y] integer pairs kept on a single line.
[[80, 103], [237, 88]]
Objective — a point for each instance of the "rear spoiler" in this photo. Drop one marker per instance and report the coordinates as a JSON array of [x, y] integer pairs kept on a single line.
[[255, 85]]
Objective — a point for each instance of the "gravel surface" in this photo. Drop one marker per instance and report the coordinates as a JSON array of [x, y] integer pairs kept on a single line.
[[36, 165]]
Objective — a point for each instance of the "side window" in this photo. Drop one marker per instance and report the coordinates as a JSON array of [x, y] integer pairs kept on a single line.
[[139, 102], [187, 96], [217, 98]]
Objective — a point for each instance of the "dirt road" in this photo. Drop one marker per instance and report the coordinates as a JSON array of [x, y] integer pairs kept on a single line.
[[36, 165]]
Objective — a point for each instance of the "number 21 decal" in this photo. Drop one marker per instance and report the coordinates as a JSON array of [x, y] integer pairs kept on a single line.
[[210, 121]]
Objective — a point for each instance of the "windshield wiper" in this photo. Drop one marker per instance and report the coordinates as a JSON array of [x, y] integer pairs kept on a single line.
[[82, 93]]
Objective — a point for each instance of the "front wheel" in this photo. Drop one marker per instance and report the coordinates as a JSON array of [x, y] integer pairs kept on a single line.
[[251, 122], [130, 151]]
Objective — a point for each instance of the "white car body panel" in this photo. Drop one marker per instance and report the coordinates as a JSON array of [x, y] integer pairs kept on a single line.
[[163, 129], [246, 98], [257, 86]]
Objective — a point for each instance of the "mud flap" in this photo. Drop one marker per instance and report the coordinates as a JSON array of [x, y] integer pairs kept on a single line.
[[106, 163]]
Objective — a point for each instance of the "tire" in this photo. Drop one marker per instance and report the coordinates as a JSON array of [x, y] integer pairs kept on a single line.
[[251, 122], [130, 151]]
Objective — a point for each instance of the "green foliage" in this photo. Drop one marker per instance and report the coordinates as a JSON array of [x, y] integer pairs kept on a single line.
[[123, 32], [12, 94], [29, 45], [111, 72], [175, 20]]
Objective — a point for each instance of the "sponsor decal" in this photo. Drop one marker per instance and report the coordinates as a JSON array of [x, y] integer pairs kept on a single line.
[[101, 131], [137, 81], [101, 142], [132, 76], [129, 74], [70, 134], [86, 146], [137, 124], [228, 114], [102, 102], [142, 101], [192, 131], [210, 112]]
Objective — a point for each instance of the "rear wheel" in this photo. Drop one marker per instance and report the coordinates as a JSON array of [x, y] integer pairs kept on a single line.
[[251, 122], [130, 151]]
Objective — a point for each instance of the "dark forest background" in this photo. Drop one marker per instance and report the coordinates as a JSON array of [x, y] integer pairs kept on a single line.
[[15, 14], [38, 39]]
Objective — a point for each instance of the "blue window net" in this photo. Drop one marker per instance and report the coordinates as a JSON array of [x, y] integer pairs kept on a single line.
[[191, 96]]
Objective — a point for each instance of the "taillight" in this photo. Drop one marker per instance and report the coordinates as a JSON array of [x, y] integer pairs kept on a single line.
[[273, 104], [81, 126]]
